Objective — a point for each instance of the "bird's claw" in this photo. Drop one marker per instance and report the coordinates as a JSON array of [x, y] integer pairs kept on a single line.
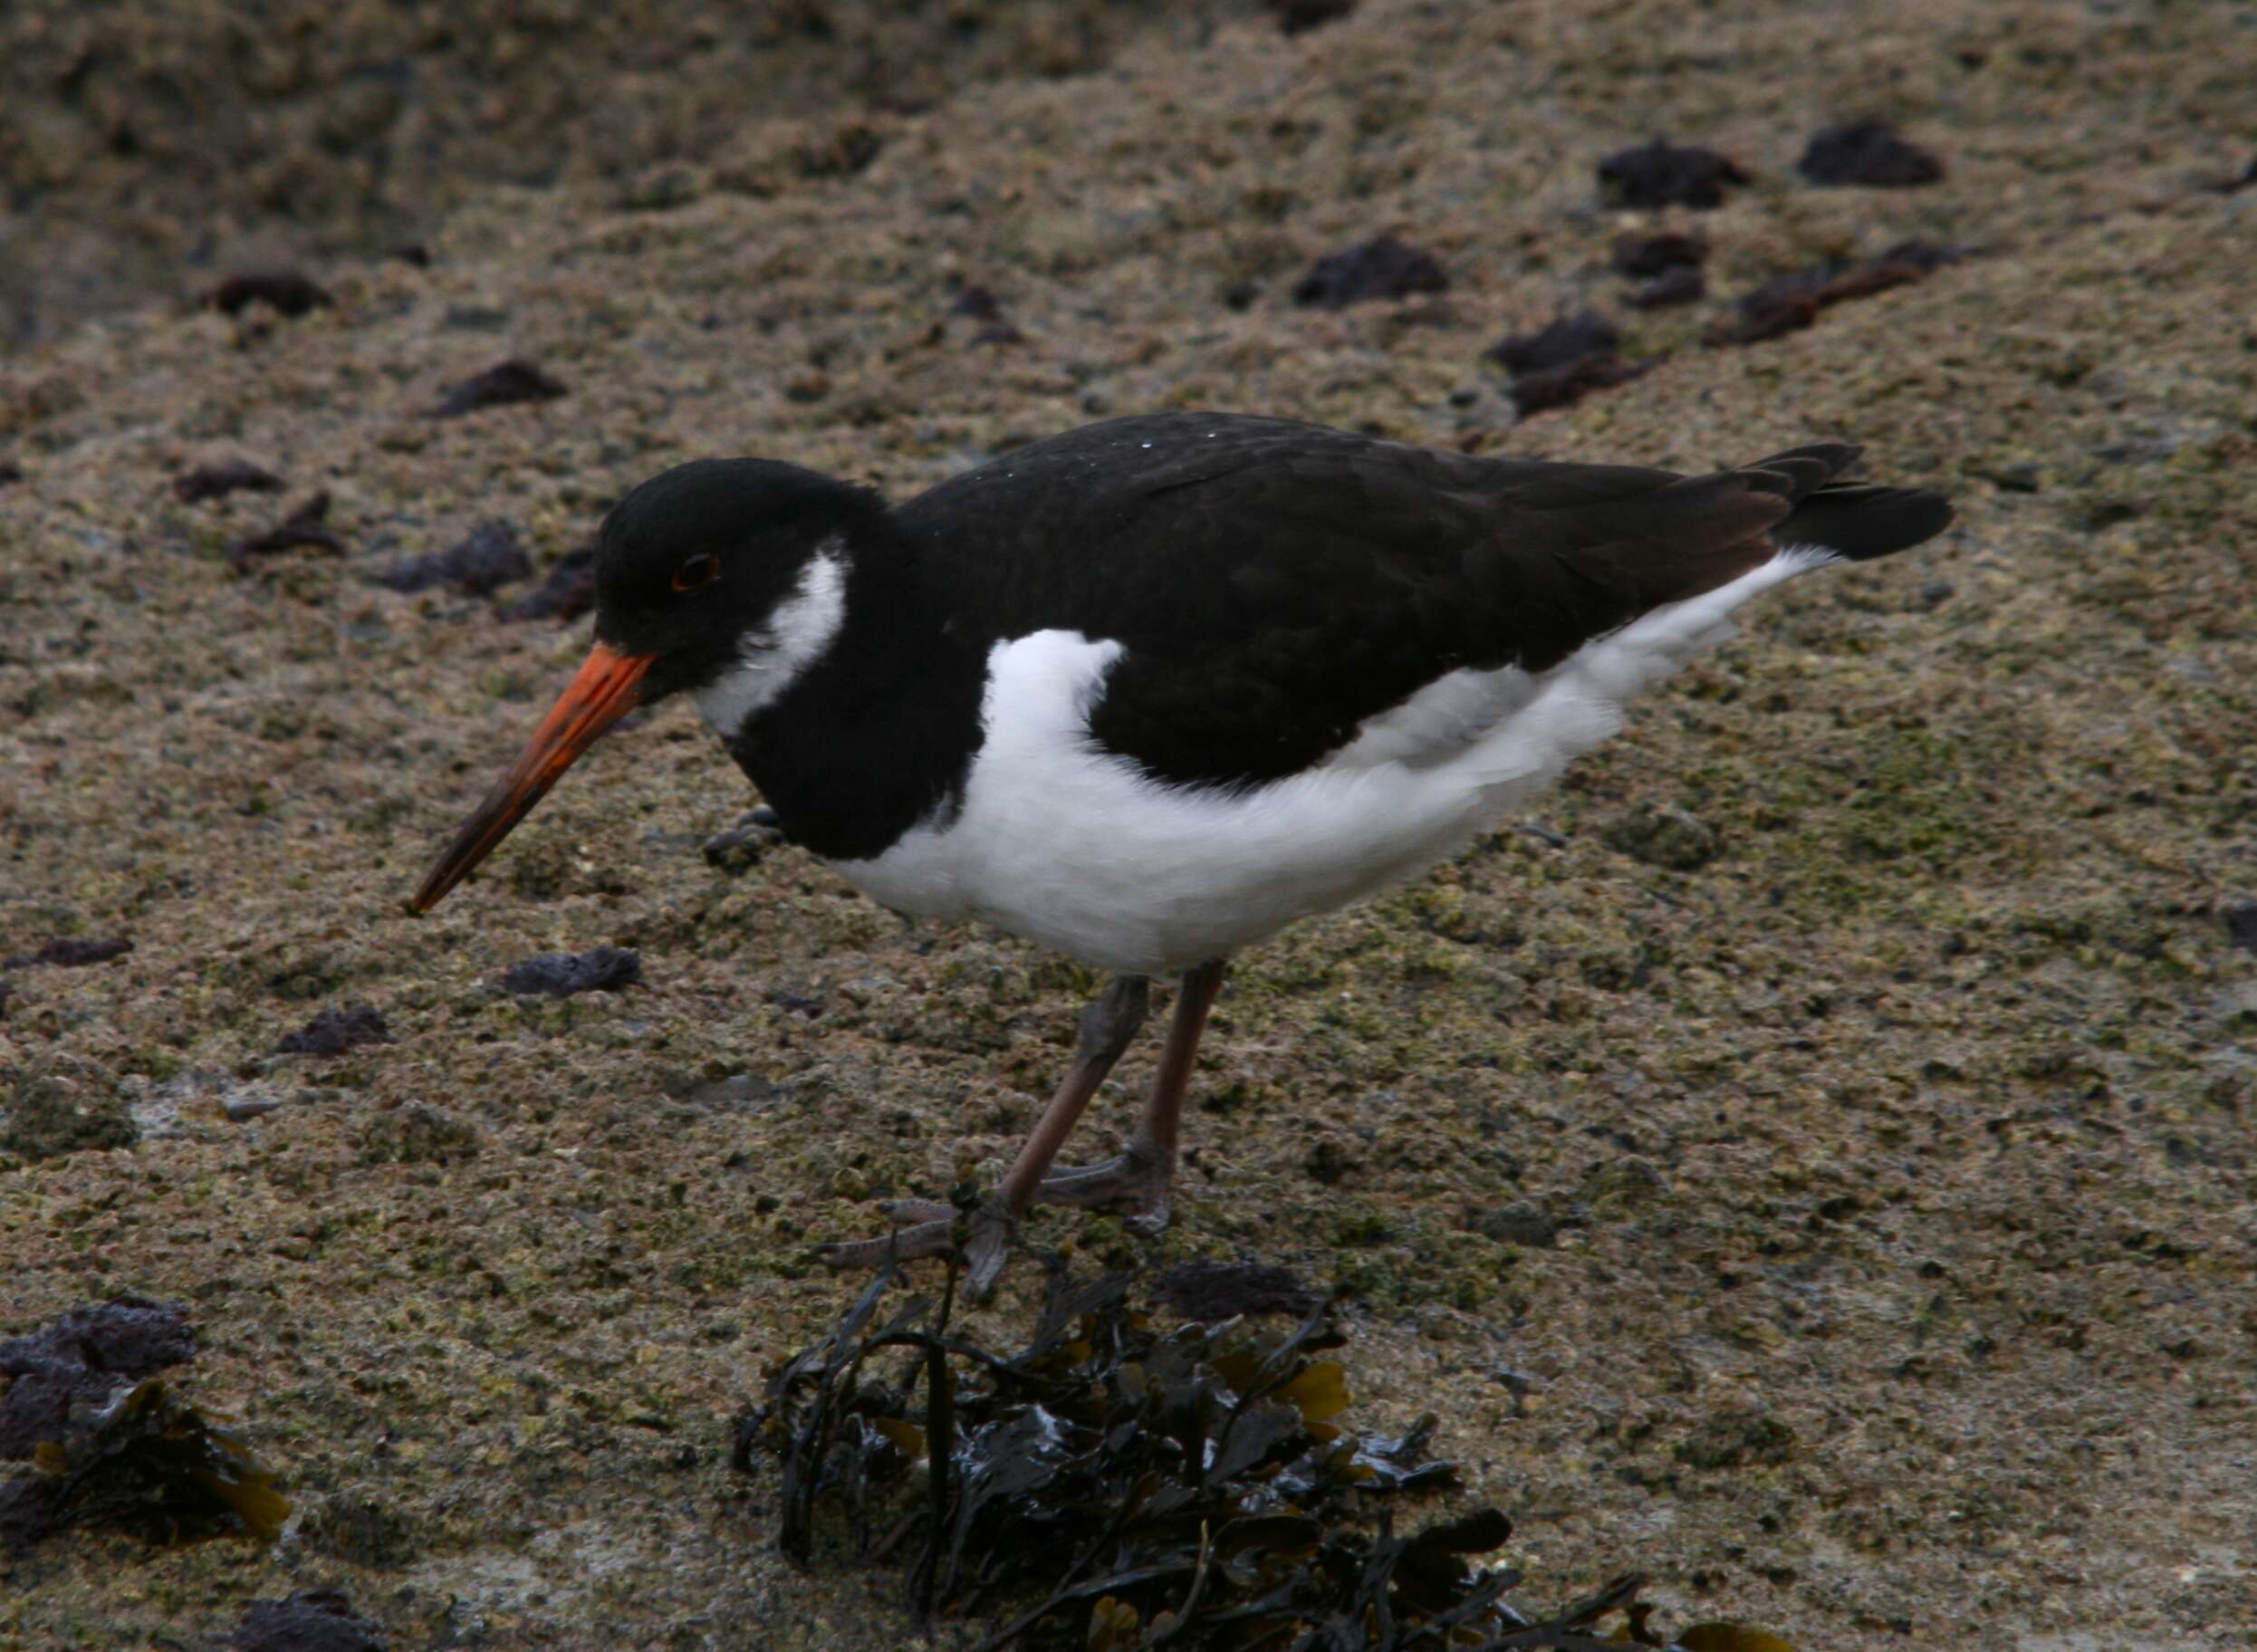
[[1141, 1177], [980, 1238]]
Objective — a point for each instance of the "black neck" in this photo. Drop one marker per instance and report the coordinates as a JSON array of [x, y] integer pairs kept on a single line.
[[879, 733]]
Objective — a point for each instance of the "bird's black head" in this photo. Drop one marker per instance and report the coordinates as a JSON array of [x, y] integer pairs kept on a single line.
[[693, 567], [725, 578]]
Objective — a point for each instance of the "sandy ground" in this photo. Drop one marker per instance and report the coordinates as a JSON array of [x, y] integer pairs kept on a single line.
[[1852, 1230]]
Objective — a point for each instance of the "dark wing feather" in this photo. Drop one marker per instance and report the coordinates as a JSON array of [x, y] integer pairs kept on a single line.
[[1276, 584]]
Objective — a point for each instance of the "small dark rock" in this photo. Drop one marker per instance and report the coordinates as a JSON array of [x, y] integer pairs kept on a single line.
[[1653, 254], [311, 1620], [1293, 16], [480, 565], [301, 527], [2020, 477], [1679, 284], [334, 1032], [560, 975], [1868, 152], [79, 1358], [72, 952], [1209, 1292], [7, 991], [218, 481], [567, 591], [1663, 173], [286, 291], [1566, 340], [1570, 381], [2241, 926], [795, 1004], [10, 472], [412, 253], [1523, 1221], [1241, 294], [978, 304], [1383, 267], [500, 386], [739, 849]]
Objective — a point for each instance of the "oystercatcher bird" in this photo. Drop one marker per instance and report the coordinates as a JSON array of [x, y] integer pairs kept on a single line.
[[1150, 690]]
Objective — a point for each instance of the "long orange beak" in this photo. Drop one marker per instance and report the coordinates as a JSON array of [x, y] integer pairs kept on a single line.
[[605, 691]]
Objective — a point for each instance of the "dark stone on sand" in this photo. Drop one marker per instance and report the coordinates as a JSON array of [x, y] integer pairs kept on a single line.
[[567, 592], [744, 846], [72, 952], [1868, 152], [79, 1359], [489, 559], [1570, 381], [7, 991], [2241, 926], [1664, 174], [218, 481], [334, 1032], [287, 290], [1679, 284], [560, 975], [1567, 339], [10, 472], [311, 1620], [503, 384], [1383, 267], [412, 253], [977, 303], [1653, 254], [1294, 16], [1210, 1292], [301, 527]]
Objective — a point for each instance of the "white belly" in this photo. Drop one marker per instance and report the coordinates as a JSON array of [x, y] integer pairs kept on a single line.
[[1067, 845]]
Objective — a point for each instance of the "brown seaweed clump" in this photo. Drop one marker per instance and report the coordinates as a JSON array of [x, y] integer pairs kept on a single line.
[[110, 1445], [1113, 1486]]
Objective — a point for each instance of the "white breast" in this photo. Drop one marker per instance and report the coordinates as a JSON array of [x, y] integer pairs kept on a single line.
[[1068, 845]]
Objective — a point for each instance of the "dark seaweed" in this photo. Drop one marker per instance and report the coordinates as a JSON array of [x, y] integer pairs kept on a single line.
[[334, 1032], [147, 1463], [1680, 283], [559, 975], [1566, 340], [218, 481], [1294, 16], [501, 384], [1789, 303], [311, 1620], [489, 559], [1662, 174], [288, 290], [1383, 267], [71, 952], [1558, 387], [303, 526], [1652, 255], [1113, 1486], [1868, 152], [567, 591]]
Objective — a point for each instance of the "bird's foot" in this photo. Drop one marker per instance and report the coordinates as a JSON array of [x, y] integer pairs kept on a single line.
[[1141, 1177], [737, 851], [979, 1237]]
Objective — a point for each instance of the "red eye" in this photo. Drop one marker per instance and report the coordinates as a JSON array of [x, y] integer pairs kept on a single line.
[[702, 569]]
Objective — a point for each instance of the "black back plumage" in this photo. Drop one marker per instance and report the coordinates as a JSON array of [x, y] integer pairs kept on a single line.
[[1275, 583]]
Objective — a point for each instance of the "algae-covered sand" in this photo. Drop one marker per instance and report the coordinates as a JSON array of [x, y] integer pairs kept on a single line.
[[1815, 1170]]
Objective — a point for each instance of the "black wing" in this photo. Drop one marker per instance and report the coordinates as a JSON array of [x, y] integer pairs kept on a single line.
[[1276, 584]]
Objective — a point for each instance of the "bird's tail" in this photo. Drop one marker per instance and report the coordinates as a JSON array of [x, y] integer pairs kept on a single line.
[[1856, 520]]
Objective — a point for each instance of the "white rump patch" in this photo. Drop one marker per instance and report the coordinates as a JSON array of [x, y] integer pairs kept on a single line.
[[777, 652], [1069, 845]]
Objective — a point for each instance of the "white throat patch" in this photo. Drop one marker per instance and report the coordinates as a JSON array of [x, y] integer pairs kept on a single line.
[[776, 654]]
